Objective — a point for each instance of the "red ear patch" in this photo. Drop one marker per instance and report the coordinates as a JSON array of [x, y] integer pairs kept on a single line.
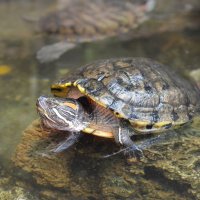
[[71, 105]]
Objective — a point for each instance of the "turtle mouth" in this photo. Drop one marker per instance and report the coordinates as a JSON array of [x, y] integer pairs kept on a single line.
[[46, 121], [42, 108], [40, 111], [40, 105]]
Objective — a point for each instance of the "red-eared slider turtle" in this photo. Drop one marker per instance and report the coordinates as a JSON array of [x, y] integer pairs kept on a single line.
[[119, 98], [90, 20]]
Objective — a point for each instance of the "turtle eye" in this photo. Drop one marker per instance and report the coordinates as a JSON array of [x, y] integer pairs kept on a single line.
[[51, 104]]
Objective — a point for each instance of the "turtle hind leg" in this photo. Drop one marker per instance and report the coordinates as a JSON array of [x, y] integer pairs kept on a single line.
[[67, 143], [157, 139]]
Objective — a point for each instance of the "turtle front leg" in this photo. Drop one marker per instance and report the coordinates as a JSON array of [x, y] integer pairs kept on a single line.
[[68, 142], [123, 136]]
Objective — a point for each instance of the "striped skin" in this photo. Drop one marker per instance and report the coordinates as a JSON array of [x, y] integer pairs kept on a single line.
[[140, 90]]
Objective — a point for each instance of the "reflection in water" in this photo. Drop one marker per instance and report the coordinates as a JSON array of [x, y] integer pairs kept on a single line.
[[83, 174]]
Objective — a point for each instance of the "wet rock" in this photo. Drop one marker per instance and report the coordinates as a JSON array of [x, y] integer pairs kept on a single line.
[[169, 171], [195, 75], [8, 191], [15, 193]]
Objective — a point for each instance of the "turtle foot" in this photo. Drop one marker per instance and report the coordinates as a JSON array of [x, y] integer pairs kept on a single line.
[[134, 152]]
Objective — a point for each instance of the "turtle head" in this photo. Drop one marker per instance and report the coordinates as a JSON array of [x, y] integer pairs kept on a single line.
[[63, 114]]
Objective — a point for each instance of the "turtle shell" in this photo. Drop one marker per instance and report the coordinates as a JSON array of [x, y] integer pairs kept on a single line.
[[140, 90], [91, 20]]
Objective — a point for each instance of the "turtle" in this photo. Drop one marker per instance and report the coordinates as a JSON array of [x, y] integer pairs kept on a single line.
[[119, 98], [90, 20]]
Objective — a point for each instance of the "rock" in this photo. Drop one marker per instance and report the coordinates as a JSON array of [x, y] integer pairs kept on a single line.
[[170, 170], [8, 191], [43, 167], [195, 75], [173, 173]]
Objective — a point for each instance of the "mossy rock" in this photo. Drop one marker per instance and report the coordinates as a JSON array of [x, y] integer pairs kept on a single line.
[[170, 170]]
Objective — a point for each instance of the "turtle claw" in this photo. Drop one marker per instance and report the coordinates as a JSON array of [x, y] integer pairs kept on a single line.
[[134, 151]]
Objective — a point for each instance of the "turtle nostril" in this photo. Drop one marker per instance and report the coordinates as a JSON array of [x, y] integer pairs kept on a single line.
[[41, 102]]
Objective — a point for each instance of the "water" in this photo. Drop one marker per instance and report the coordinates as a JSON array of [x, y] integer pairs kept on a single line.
[[175, 174]]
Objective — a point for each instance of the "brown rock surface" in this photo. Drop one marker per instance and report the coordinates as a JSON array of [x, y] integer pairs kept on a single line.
[[27, 157], [169, 171]]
